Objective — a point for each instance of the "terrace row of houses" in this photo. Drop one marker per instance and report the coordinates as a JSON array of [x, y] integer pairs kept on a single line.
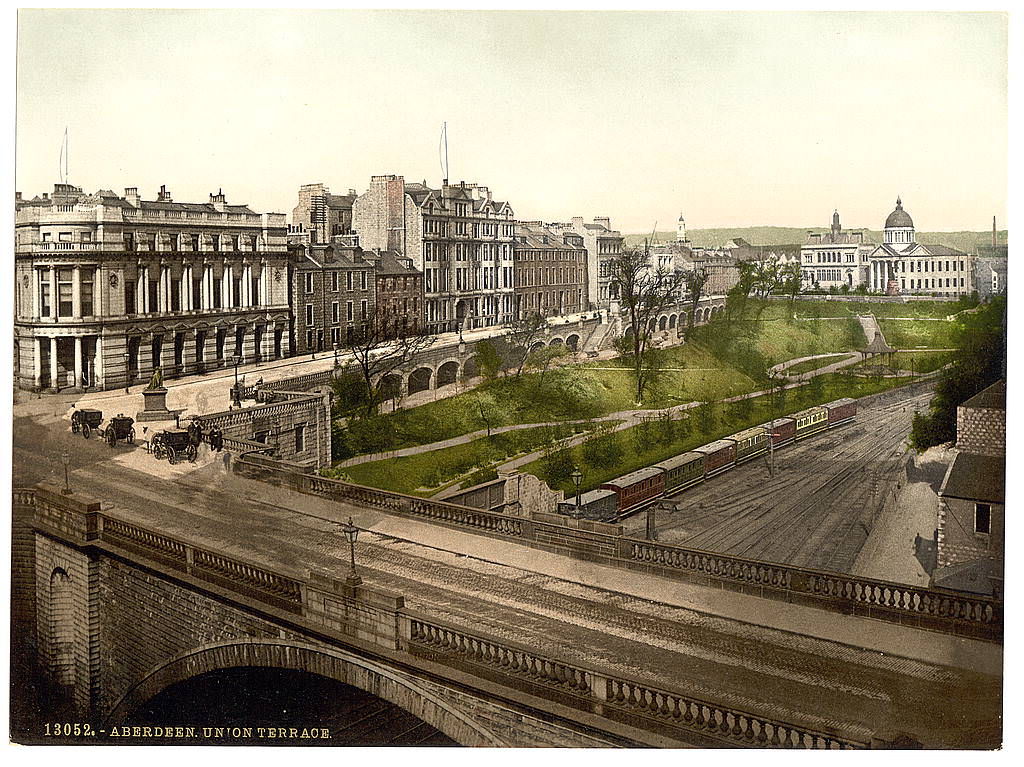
[[110, 287]]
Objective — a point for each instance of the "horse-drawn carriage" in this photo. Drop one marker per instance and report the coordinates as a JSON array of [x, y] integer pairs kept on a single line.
[[86, 421], [120, 427], [173, 444]]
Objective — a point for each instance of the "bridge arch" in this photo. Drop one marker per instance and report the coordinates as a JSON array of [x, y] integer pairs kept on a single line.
[[331, 663], [537, 346], [573, 342], [391, 386], [469, 368], [556, 341], [672, 320], [663, 322], [419, 380], [447, 373]]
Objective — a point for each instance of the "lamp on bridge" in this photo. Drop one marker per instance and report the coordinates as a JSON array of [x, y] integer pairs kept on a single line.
[[236, 393], [577, 479], [65, 458], [127, 372], [351, 532]]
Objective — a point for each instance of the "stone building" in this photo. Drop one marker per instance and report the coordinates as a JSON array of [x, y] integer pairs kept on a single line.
[[971, 521], [322, 214], [603, 245], [835, 258], [550, 271], [398, 296], [457, 236], [332, 293], [109, 287], [990, 270]]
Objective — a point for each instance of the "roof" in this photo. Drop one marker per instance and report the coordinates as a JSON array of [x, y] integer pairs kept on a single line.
[[590, 496], [980, 576], [878, 345], [943, 250], [753, 430], [389, 264], [993, 397], [976, 478], [899, 218], [635, 476], [196, 207], [680, 460], [993, 251], [718, 444]]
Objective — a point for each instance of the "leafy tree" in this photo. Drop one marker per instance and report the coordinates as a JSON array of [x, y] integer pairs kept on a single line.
[[666, 427], [488, 360], [694, 281], [644, 292], [981, 361], [792, 279], [705, 415], [349, 394], [557, 466], [522, 335], [602, 451], [485, 410]]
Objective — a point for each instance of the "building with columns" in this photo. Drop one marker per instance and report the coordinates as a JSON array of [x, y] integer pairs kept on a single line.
[[457, 236], [550, 271], [834, 258], [901, 265], [109, 287]]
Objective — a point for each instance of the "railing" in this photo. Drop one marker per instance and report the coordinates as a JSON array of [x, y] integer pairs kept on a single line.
[[721, 723], [928, 608]]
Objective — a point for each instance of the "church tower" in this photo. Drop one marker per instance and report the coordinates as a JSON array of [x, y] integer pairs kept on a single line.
[[836, 228], [681, 230]]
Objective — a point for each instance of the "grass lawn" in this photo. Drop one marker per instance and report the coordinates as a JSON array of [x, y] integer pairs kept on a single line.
[[647, 444], [438, 468], [923, 362], [808, 365], [933, 309], [908, 334]]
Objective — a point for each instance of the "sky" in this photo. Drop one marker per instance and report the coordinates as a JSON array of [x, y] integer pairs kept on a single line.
[[732, 119]]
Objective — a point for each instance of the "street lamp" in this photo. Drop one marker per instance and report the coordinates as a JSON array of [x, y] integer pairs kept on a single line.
[[335, 355], [65, 458], [577, 479], [351, 532], [127, 372], [236, 392]]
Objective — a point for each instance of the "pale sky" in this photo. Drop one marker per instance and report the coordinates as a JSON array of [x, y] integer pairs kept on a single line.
[[733, 119]]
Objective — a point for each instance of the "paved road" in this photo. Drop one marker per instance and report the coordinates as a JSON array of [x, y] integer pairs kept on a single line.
[[794, 663]]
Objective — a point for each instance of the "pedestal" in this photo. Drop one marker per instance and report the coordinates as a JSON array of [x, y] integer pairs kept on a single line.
[[154, 406]]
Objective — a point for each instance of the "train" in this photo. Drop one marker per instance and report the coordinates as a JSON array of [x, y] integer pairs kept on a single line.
[[624, 495]]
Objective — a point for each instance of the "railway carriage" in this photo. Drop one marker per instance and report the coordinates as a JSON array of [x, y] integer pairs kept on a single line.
[[682, 471], [841, 411], [782, 431], [637, 487], [719, 456], [750, 443], [596, 504], [810, 421]]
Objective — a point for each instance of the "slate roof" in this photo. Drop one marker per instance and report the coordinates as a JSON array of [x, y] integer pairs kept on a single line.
[[977, 577], [878, 345], [993, 397], [976, 478], [389, 264], [195, 207]]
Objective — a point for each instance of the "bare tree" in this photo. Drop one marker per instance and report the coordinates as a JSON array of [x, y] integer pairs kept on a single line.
[[644, 292], [521, 336], [379, 348], [694, 281]]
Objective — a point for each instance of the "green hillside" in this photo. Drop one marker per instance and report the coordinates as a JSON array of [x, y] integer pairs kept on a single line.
[[783, 235]]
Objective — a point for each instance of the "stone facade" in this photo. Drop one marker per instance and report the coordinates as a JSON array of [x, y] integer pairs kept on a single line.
[[399, 293], [458, 236], [550, 271], [331, 294], [603, 245], [108, 288], [322, 215]]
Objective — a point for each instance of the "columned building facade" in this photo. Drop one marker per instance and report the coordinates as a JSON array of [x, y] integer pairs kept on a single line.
[[457, 236], [109, 288]]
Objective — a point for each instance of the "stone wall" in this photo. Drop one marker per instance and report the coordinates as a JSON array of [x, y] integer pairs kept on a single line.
[[957, 540], [981, 430]]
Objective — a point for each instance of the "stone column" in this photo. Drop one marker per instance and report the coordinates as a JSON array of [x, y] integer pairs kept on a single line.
[[186, 288], [78, 362], [207, 288], [37, 359], [97, 364], [54, 384], [76, 294], [53, 293], [225, 287]]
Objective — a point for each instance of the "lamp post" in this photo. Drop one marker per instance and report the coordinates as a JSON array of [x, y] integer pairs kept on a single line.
[[335, 355], [127, 372], [351, 532], [577, 479], [236, 392], [65, 458]]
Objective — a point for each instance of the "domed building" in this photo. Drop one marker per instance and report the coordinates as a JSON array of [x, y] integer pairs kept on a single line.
[[902, 266]]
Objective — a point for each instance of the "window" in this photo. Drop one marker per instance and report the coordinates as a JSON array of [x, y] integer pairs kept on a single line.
[[64, 293], [334, 281], [300, 438], [309, 315], [309, 282], [85, 292], [982, 518], [309, 339], [335, 313], [362, 280], [348, 280], [44, 295], [362, 310], [348, 310]]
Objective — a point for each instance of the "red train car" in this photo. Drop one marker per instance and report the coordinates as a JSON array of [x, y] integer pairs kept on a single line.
[[841, 411], [719, 456], [637, 487], [783, 431]]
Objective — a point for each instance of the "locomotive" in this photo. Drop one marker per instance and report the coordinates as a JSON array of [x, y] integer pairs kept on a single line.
[[626, 494]]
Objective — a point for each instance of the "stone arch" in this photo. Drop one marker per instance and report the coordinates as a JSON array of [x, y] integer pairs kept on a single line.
[[537, 346], [390, 386], [555, 342], [628, 331], [469, 368], [419, 380], [663, 323], [330, 663], [60, 629], [573, 342], [447, 373], [707, 313], [672, 318], [653, 324]]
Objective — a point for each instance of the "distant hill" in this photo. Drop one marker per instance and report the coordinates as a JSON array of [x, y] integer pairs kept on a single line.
[[783, 235]]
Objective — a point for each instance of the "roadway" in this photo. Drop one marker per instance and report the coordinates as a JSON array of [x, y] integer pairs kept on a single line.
[[797, 664]]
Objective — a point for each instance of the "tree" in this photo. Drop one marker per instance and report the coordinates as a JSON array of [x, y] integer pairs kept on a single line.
[[792, 280], [522, 335], [643, 292], [485, 410], [381, 347], [694, 282], [488, 360], [981, 361]]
